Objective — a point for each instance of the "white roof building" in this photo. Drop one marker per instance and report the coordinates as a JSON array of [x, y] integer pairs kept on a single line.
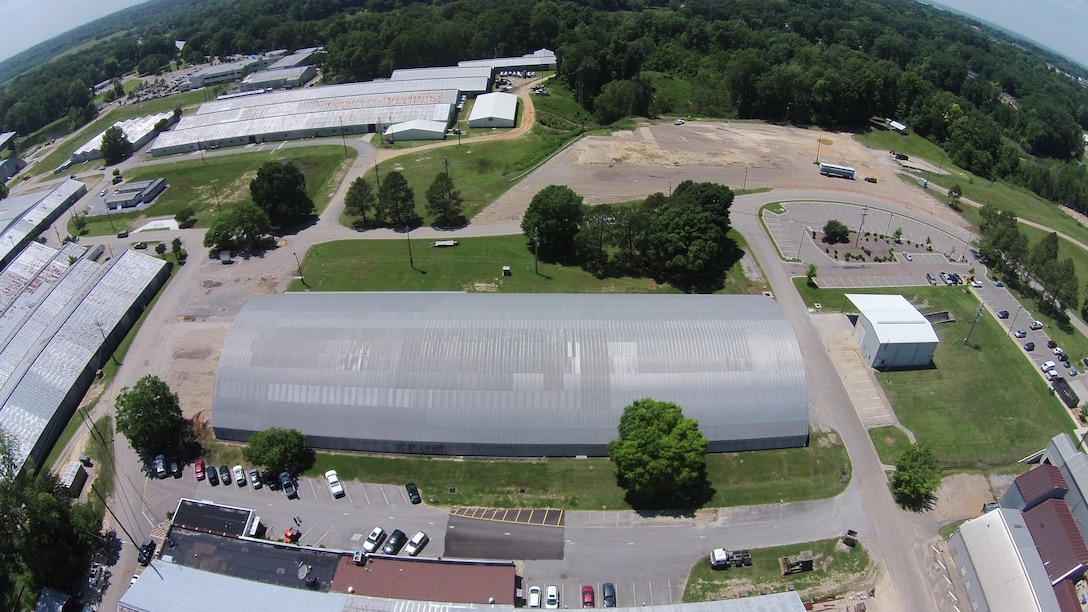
[[494, 110], [417, 129], [1000, 565], [541, 59], [138, 130], [891, 333]]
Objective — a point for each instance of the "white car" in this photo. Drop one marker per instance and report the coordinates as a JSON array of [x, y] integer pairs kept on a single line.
[[416, 544], [976, 284], [1047, 366], [551, 597], [239, 475], [335, 487], [374, 540], [678, 122], [533, 600], [1053, 375], [1036, 325], [908, 256]]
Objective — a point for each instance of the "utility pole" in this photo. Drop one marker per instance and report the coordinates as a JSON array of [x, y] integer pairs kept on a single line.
[[818, 143], [536, 251], [864, 213], [299, 264], [408, 235], [216, 190], [978, 315], [745, 183]]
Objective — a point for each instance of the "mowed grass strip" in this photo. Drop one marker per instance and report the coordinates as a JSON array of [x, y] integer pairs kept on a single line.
[[982, 405], [191, 184], [836, 568], [748, 478]]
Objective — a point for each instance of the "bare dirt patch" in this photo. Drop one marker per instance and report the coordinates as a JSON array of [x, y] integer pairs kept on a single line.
[[961, 496]]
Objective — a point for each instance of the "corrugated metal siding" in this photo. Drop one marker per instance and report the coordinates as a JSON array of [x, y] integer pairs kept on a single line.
[[508, 374]]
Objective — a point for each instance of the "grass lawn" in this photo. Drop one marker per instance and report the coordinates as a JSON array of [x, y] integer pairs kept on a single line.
[[755, 477], [475, 265], [982, 406], [191, 184], [911, 144], [837, 568], [889, 443], [481, 171]]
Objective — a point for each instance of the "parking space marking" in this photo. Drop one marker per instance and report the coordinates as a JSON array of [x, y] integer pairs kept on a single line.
[[523, 516]]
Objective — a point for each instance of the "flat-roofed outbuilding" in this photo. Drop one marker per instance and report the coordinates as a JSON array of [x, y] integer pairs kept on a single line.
[[507, 374]]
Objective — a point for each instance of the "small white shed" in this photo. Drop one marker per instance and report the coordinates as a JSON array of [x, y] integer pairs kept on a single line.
[[494, 110], [892, 333], [416, 129]]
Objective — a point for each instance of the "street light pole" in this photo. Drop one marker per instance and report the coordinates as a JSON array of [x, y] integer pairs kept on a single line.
[[864, 213], [818, 143], [408, 235], [1012, 325], [801, 242], [299, 264], [536, 251]]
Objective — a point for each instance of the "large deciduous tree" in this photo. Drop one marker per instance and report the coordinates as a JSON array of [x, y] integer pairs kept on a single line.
[[444, 202], [916, 477], [115, 146], [242, 227], [280, 189], [398, 201], [555, 215], [660, 456], [275, 450], [835, 231], [149, 415]]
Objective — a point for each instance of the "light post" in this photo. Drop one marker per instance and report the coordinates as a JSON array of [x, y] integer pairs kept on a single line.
[[109, 218], [299, 264], [745, 183], [408, 235], [216, 190], [801, 242], [818, 143], [1012, 325]]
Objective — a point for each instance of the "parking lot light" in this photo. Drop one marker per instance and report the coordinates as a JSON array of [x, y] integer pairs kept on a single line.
[[1012, 325]]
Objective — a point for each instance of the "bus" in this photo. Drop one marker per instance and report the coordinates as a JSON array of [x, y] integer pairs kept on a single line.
[[836, 170]]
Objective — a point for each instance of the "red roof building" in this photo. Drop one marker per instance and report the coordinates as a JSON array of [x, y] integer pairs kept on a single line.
[[1059, 543]]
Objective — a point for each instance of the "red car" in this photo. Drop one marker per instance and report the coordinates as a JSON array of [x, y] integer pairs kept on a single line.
[[587, 597], [198, 469]]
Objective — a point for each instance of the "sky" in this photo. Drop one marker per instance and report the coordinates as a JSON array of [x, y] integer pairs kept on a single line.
[[25, 23], [1061, 25]]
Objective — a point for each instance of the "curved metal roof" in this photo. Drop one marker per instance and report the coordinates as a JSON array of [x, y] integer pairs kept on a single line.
[[507, 374]]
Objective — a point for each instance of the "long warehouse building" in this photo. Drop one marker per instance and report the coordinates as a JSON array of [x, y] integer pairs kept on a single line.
[[516, 375]]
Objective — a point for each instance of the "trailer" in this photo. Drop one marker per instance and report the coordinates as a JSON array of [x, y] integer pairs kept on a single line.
[[836, 170]]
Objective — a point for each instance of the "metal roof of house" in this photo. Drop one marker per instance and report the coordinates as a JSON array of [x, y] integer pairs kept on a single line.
[[508, 374], [168, 587], [1055, 533], [894, 319], [1007, 564], [1041, 482], [497, 105]]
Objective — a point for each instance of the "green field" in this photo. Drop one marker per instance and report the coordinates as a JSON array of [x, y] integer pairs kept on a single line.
[[835, 567], [474, 265], [193, 183], [982, 406], [756, 477], [889, 443]]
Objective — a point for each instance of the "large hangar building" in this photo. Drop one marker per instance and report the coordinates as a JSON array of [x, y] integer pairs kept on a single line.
[[517, 375]]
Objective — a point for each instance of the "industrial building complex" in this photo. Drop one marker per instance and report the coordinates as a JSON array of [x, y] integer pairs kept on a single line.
[[507, 374]]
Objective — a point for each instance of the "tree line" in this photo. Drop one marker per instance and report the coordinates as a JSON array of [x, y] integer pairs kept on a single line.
[[681, 238]]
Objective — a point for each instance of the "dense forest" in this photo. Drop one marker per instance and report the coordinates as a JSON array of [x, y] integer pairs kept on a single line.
[[999, 107]]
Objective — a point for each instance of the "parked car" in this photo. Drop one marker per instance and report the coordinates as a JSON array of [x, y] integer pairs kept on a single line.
[[224, 475], [198, 469], [213, 476], [976, 284], [94, 578], [929, 277], [255, 478], [140, 245], [678, 122], [160, 466], [1036, 325], [374, 540], [1047, 366], [239, 476], [122, 234], [608, 595], [413, 493], [533, 601], [395, 542], [1051, 344], [999, 284], [1020, 333], [1058, 350], [587, 597], [416, 544], [551, 597], [287, 484], [908, 256], [147, 551], [1029, 346], [173, 467], [1053, 375], [1073, 372], [335, 487], [1002, 314]]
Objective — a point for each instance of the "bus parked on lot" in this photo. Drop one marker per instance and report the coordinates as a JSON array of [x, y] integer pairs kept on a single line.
[[836, 170]]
